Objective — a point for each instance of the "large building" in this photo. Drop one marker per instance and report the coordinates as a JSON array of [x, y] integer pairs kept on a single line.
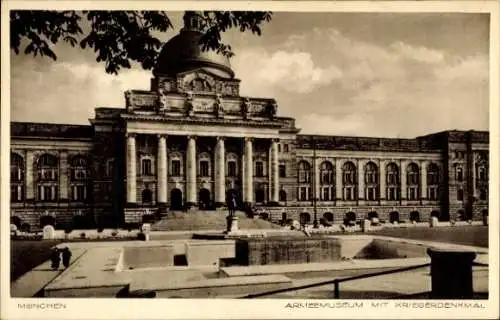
[[192, 140]]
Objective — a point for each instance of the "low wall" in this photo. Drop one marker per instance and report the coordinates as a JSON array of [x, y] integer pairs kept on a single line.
[[208, 253], [147, 257], [286, 250]]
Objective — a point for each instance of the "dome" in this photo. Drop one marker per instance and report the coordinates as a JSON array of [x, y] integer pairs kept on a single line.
[[183, 52]]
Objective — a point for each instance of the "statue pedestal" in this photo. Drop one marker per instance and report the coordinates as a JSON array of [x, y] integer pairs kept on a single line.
[[232, 224], [451, 273]]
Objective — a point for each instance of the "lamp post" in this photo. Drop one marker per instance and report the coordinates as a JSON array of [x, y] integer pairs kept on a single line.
[[315, 199]]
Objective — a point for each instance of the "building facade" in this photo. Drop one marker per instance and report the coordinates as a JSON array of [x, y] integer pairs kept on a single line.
[[192, 140]]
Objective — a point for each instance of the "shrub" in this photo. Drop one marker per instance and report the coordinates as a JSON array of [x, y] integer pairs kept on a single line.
[[114, 233], [141, 236], [100, 229], [83, 235], [25, 227], [68, 230]]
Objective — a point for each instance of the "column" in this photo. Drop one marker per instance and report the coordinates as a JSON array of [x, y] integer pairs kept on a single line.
[[317, 178], [423, 180], [131, 169], [403, 180], [249, 170], [220, 172], [63, 175], [339, 192], [162, 169], [361, 180], [474, 174], [191, 170], [29, 175], [274, 173], [382, 179]]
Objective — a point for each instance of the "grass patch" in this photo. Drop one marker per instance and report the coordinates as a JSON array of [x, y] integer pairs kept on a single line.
[[27, 254]]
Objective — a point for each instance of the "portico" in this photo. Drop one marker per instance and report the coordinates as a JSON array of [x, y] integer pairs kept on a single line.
[[197, 173]]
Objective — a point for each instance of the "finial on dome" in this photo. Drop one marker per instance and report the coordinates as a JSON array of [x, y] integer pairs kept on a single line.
[[193, 21]]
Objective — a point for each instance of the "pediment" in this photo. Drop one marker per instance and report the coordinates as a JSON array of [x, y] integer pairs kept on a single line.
[[203, 81]]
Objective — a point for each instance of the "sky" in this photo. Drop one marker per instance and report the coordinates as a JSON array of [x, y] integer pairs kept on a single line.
[[360, 74]]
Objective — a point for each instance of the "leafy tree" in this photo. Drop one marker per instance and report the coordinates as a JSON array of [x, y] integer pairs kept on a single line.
[[119, 37]]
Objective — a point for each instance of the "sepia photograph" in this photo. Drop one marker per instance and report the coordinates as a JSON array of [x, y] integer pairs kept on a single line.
[[298, 156]]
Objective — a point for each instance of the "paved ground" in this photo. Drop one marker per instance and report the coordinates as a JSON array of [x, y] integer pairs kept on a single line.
[[467, 235]]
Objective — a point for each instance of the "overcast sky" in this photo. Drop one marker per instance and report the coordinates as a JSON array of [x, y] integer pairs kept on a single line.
[[363, 74]]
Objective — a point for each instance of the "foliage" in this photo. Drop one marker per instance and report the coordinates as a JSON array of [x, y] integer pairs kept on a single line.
[[119, 37]]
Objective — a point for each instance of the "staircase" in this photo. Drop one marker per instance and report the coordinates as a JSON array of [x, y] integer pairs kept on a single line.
[[207, 220]]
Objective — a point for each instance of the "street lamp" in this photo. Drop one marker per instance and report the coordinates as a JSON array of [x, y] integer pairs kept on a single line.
[[315, 199]]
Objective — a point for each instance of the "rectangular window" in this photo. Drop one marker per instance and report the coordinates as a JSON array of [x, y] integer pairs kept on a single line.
[[146, 167], [231, 169], [279, 147], [259, 169], [204, 172], [412, 194], [392, 194], [282, 169], [285, 147], [433, 195], [326, 194], [16, 193], [460, 195], [460, 176], [304, 193], [176, 168], [371, 193], [47, 193]]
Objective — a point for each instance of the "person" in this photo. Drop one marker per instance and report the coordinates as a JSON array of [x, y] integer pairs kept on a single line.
[[66, 256], [55, 258], [230, 205]]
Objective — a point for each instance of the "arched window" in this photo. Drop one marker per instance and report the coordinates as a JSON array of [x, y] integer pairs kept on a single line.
[[371, 181], [78, 178], [326, 181], [16, 177], [304, 173], [393, 190], [412, 182], [46, 174], [349, 180], [326, 173], [432, 181]]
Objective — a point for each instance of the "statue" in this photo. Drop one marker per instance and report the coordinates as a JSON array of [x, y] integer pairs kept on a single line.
[[245, 108], [271, 109], [218, 109], [189, 104], [128, 100], [162, 101]]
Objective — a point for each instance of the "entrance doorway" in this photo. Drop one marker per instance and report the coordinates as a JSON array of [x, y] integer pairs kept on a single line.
[[260, 195], [176, 199], [204, 199]]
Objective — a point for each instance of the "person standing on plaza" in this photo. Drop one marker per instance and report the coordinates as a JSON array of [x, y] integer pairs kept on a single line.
[[66, 257], [55, 257]]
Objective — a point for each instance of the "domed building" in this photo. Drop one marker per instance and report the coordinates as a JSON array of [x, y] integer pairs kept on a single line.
[[184, 53], [192, 142]]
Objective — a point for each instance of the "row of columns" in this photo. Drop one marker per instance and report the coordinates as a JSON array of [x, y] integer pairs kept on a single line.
[[191, 165]]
